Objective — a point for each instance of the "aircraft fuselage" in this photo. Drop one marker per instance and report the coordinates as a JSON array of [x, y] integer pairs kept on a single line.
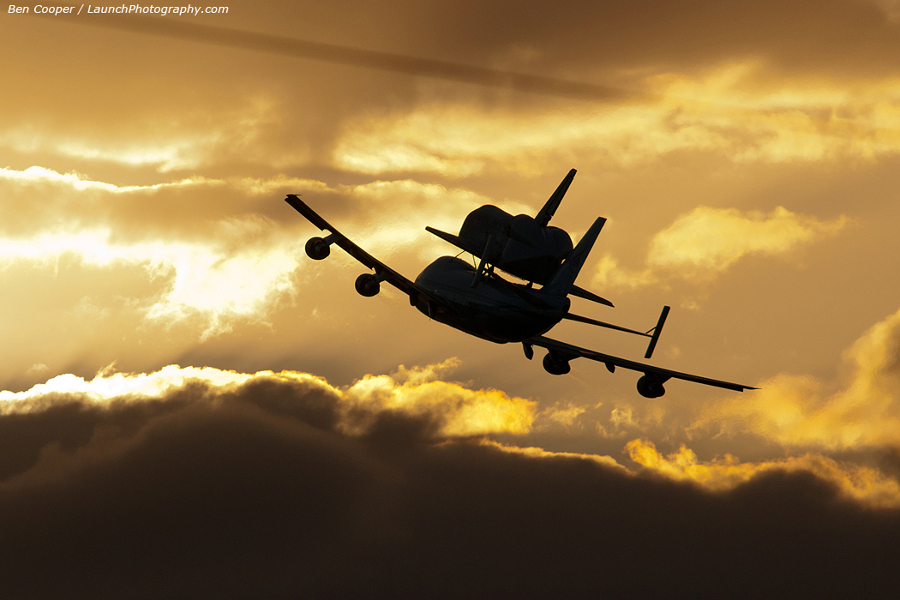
[[493, 309]]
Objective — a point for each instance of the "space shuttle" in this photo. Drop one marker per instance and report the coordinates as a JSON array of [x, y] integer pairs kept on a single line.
[[524, 246]]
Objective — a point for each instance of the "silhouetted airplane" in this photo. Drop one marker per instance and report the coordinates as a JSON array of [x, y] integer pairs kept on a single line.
[[480, 302]]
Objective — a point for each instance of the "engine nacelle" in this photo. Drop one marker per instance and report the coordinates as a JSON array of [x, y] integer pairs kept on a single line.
[[368, 285], [318, 248], [649, 387], [556, 364]]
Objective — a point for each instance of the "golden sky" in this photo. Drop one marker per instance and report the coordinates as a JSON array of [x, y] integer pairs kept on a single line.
[[157, 301]]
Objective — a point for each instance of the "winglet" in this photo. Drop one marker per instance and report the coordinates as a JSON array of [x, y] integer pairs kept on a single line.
[[546, 213]]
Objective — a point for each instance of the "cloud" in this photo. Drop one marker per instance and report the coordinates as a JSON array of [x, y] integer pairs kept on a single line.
[[535, 452], [163, 155], [608, 274], [712, 239], [891, 8], [737, 111], [708, 241], [79, 183], [105, 387], [238, 276], [250, 484], [861, 483], [236, 266], [562, 413], [797, 411], [392, 215], [182, 129], [416, 392], [462, 412]]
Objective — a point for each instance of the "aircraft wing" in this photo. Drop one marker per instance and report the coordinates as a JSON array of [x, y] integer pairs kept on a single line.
[[569, 352], [382, 271]]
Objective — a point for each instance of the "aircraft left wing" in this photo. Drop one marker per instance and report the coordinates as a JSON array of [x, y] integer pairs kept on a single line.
[[650, 385], [382, 271]]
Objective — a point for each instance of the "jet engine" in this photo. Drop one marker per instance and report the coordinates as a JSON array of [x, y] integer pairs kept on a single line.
[[556, 364], [318, 248], [650, 387], [368, 285]]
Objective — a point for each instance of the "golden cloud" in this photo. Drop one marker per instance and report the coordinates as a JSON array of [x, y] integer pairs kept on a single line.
[[457, 410], [107, 386], [390, 216], [541, 453], [463, 412], [78, 182], [232, 277], [171, 154], [712, 239], [417, 392], [794, 411], [736, 111], [398, 211], [246, 264], [858, 482], [562, 413], [707, 241], [210, 129]]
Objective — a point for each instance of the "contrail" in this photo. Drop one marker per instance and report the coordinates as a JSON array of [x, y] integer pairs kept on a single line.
[[357, 57]]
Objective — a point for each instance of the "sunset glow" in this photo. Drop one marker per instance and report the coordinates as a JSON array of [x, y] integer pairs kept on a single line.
[[177, 368]]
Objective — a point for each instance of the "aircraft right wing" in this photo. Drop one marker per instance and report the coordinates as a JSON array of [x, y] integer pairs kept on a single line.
[[382, 271], [560, 353]]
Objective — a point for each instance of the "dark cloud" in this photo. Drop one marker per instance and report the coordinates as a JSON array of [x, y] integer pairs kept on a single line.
[[835, 35], [257, 492], [357, 57], [569, 37], [564, 49]]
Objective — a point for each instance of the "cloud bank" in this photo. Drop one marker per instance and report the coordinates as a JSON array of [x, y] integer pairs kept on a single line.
[[194, 481]]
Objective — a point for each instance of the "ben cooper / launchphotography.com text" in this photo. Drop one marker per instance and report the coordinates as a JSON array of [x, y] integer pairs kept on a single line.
[[123, 9]]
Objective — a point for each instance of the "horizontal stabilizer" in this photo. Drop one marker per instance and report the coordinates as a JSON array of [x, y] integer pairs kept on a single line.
[[583, 293], [656, 331], [590, 321], [457, 241]]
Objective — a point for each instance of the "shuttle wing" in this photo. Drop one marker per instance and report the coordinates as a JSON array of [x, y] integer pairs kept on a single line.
[[568, 352], [477, 251]]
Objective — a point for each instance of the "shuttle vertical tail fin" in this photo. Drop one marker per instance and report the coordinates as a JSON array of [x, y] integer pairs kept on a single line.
[[543, 217], [564, 278]]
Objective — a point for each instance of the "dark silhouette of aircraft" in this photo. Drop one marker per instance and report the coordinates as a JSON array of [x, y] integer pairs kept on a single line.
[[480, 302]]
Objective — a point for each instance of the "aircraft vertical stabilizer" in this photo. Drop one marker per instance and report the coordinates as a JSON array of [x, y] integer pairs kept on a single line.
[[543, 217], [564, 278]]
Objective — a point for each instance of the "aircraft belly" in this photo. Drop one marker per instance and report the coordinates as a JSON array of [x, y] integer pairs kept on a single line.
[[499, 326], [487, 310]]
